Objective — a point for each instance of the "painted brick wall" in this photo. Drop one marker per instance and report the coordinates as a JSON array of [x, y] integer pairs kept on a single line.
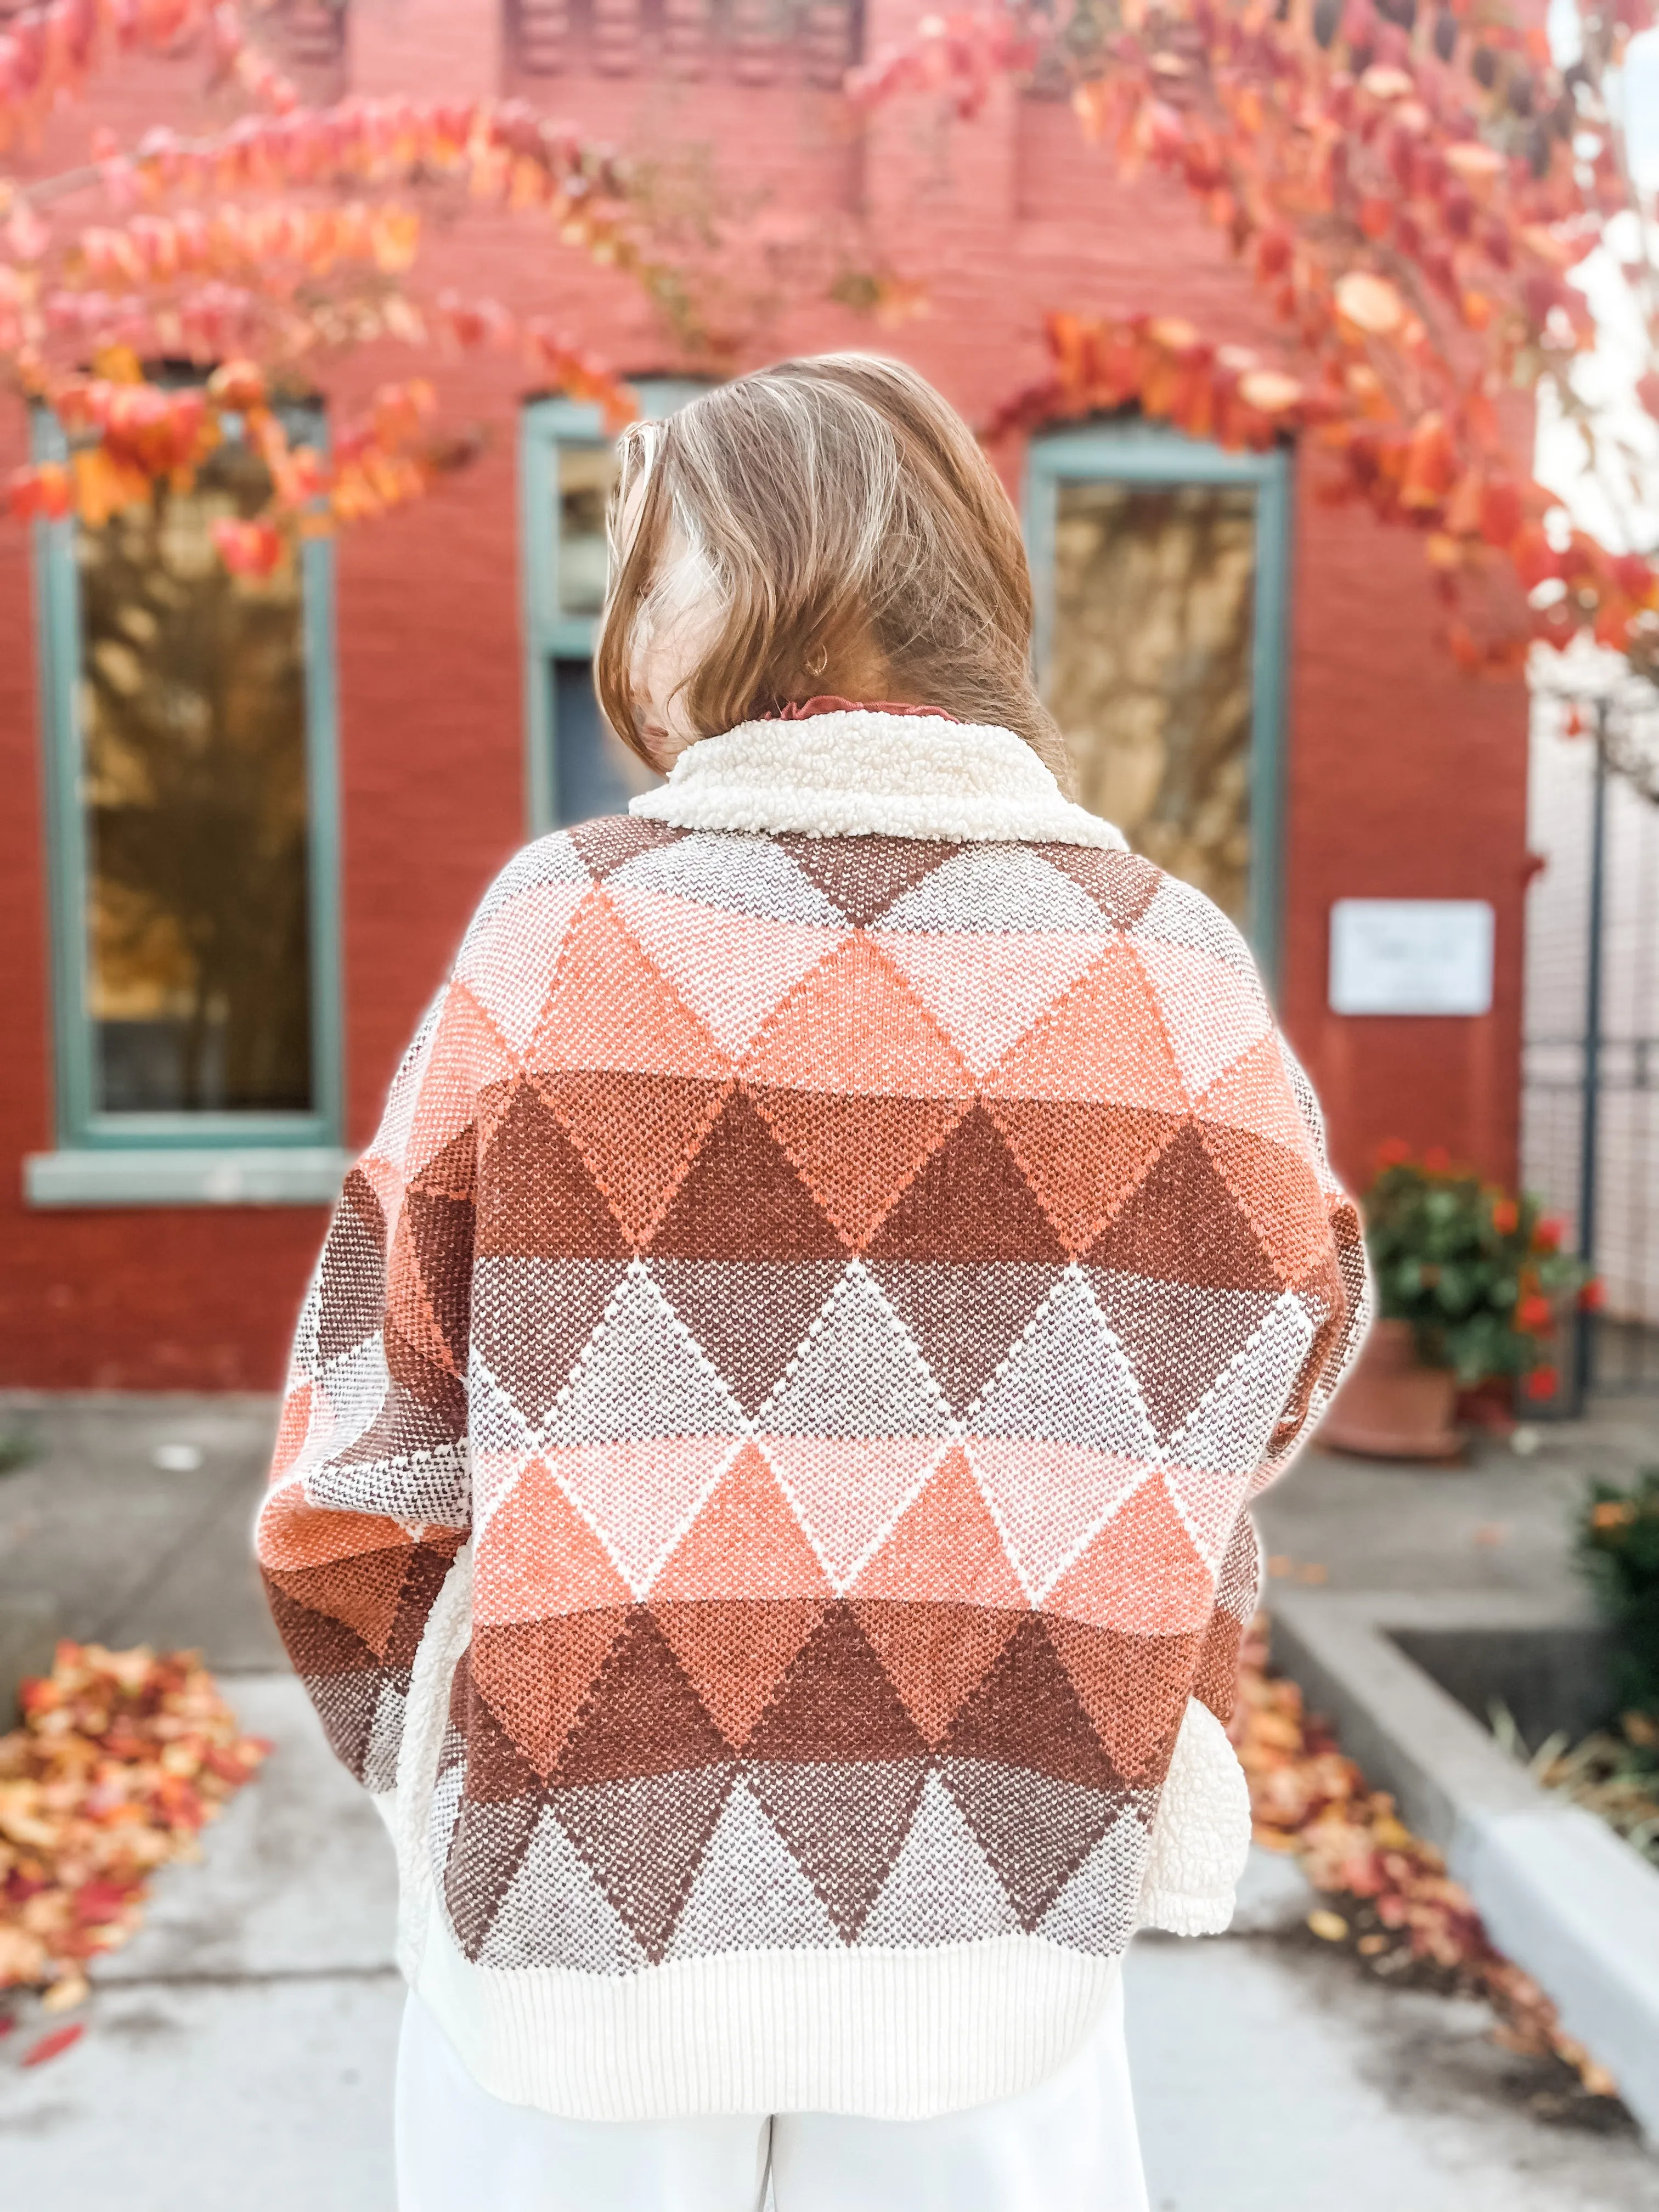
[[1403, 778]]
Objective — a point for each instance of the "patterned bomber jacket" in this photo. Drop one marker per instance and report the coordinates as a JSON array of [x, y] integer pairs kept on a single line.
[[761, 1492]]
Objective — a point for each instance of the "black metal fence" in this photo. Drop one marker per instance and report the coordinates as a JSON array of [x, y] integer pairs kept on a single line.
[[1590, 1079]]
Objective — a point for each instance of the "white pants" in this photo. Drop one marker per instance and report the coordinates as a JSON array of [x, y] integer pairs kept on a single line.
[[1068, 2145]]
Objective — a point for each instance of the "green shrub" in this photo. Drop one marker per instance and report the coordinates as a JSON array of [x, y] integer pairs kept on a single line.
[[1619, 1547], [1479, 1272]]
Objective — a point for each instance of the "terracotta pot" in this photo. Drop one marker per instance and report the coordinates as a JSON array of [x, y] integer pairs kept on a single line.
[[1392, 1405]]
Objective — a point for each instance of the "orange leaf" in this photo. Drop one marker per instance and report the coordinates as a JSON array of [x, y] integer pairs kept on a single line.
[[1270, 390]]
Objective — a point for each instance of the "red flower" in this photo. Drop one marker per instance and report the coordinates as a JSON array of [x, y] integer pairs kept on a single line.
[[1393, 1153], [1547, 1236], [1506, 1217], [1533, 1314], [1594, 1295], [1542, 1383], [247, 549]]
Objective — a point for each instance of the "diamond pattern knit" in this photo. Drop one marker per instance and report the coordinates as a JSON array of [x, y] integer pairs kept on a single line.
[[846, 1288]]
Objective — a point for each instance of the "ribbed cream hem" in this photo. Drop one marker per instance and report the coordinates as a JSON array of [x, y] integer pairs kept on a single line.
[[890, 2034]]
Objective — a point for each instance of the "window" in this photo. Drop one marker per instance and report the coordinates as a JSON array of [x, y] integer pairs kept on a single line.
[[189, 732], [577, 767], [1160, 567]]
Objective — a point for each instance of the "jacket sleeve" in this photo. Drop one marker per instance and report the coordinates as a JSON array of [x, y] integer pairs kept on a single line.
[[370, 1491], [1339, 1285]]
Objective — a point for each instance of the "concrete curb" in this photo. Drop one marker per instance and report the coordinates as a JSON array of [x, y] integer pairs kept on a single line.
[[1561, 1894]]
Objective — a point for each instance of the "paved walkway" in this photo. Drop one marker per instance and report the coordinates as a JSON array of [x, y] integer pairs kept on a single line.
[[240, 2052]]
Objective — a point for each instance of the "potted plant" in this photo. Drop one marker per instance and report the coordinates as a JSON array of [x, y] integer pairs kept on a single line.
[[1469, 1279]]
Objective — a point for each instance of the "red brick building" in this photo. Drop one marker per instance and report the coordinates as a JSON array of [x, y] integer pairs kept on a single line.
[[191, 1046]]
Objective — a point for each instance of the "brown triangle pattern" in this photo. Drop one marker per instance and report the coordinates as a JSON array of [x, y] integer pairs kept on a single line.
[[539, 1199], [856, 1155], [536, 1676], [1110, 1671], [1121, 884], [1035, 1831], [1027, 1713], [744, 1199], [615, 839], [845, 1823], [534, 1320], [751, 1316], [440, 1232], [1184, 1224], [486, 1849], [643, 1716], [836, 1704], [644, 1840], [965, 1319], [936, 1656], [970, 1203], [735, 1651], [865, 876], [353, 1270]]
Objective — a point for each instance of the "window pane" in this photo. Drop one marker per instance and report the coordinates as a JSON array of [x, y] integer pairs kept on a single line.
[[586, 473], [594, 771], [1149, 673], [192, 706]]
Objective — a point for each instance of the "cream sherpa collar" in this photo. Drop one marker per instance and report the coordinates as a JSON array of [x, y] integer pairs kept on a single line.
[[866, 774]]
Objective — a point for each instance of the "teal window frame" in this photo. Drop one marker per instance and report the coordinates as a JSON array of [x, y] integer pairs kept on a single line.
[[180, 1158], [549, 633], [1150, 454]]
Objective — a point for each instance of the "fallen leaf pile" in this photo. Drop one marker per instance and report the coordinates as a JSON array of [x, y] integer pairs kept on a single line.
[[1389, 1894], [122, 1758]]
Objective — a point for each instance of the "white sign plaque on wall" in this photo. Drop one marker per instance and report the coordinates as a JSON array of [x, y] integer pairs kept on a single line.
[[1411, 956]]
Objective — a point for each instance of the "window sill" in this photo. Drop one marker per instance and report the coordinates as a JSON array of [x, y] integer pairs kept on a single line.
[[272, 1175]]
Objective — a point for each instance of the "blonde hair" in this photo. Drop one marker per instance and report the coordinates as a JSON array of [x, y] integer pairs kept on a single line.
[[855, 537]]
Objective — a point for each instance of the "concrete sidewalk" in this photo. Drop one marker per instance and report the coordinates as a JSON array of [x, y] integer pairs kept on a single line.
[[240, 2051]]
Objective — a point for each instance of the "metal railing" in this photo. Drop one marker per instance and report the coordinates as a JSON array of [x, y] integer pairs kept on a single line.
[[1590, 1081]]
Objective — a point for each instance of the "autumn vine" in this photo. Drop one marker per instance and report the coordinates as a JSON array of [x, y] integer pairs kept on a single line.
[[259, 254], [1411, 188]]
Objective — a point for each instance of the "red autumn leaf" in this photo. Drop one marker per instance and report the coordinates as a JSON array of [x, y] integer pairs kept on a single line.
[[53, 2046], [1535, 558], [248, 549], [1500, 513], [1274, 250], [96, 1901], [1634, 576]]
